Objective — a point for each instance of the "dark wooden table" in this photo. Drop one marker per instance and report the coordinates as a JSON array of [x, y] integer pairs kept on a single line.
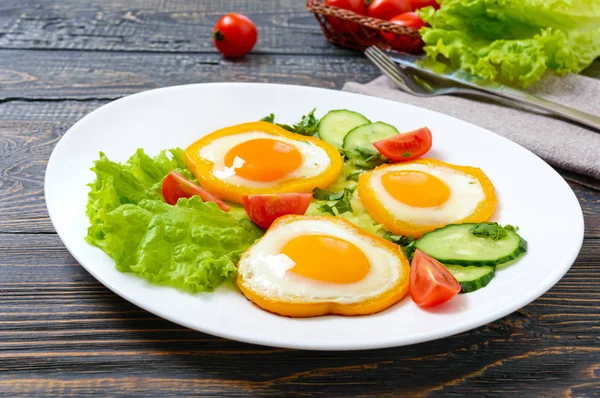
[[63, 333]]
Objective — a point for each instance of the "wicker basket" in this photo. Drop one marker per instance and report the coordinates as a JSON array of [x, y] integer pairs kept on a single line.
[[350, 30]]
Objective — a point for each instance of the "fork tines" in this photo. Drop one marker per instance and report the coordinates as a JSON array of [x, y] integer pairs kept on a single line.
[[386, 65]]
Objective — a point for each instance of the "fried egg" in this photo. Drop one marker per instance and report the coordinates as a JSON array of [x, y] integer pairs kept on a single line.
[[416, 197], [261, 157], [310, 266]]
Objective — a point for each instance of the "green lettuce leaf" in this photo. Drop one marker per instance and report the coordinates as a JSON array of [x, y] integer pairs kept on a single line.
[[513, 41], [193, 246]]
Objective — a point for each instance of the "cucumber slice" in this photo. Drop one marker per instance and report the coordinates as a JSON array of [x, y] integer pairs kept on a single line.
[[454, 244], [334, 126], [472, 278], [364, 136]]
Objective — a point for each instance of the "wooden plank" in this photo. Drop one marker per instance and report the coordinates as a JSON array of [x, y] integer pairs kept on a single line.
[[284, 26], [36, 75], [93, 76], [593, 70], [182, 26], [26, 146], [65, 112], [63, 332]]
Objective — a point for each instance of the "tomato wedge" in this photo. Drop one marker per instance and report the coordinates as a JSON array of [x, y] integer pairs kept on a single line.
[[430, 282], [406, 146], [176, 186], [264, 209]]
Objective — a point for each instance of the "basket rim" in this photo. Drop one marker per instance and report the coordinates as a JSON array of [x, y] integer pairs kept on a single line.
[[319, 7]]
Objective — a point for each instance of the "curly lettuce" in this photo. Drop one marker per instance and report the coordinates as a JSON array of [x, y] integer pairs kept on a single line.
[[513, 41], [193, 246]]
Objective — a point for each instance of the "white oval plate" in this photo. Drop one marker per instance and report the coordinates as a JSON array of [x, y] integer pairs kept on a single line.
[[531, 195]]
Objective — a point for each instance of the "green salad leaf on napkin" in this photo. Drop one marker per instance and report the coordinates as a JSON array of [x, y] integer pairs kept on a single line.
[[193, 246], [513, 41]]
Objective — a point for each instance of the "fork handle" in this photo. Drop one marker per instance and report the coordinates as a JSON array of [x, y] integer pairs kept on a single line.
[[584, 118], [552, 107]]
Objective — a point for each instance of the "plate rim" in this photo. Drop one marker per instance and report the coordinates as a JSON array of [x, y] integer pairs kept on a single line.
[[307, 345]]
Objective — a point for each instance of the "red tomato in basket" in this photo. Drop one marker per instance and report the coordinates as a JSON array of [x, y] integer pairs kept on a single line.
[[234, 35], [387, 9], [401, 42], [416, 4], [430, 283], [356, 6]]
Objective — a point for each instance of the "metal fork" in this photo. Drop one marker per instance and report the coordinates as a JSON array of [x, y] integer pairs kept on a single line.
[[423, 83]]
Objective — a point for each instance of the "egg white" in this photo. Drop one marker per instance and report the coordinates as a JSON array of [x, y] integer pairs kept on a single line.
[[314, 159], [466, 193], [266, 271]]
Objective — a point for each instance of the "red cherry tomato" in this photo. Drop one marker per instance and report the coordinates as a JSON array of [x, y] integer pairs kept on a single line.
[[264, 209], [234, 35], [405, 43], [176, 186], [416, 4], [387, 9], [409, 19], [356, 6], [430, 283], [406, 146]]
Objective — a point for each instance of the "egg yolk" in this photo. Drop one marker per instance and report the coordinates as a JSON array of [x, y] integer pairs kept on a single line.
[[416, 188], [264, 159], [327, 258]]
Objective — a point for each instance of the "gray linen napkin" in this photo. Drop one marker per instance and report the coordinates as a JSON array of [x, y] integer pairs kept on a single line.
[[567, 146]]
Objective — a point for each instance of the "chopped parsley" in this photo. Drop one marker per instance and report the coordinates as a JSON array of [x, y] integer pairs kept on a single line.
[[354, 176], [269, 119], [407, 243], [406, 154], [308, 125], [364, 157], [342, 201], [492, 230], [322, 194]]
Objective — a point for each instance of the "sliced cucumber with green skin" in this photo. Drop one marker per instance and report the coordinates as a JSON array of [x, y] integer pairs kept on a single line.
[[454, 244], [334, 126], [472, 278], [364, 136]]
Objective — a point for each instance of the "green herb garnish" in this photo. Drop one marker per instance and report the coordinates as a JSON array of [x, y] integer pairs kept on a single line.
[[367, 158], [342, 201], [491, 230], [269, 119], [306, 126], [327, 209], [406, 243], [406, 154], [322, 194], [354, 176]]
